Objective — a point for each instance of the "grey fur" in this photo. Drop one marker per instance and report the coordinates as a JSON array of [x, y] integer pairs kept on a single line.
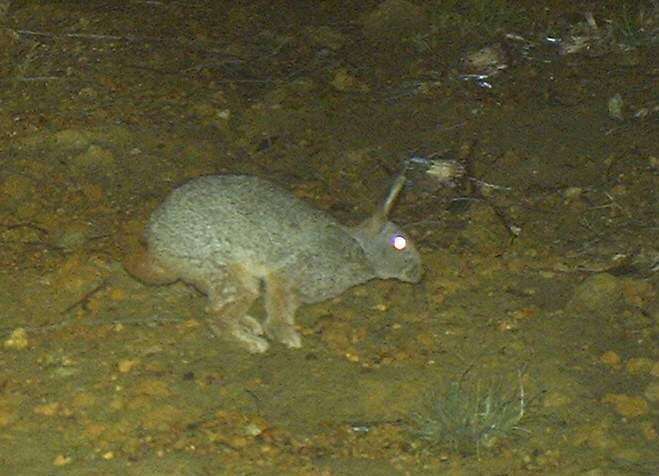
[[217, 223]]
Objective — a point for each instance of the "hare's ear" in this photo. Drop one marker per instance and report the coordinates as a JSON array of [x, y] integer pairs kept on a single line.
[[376, 221], [395, 189]]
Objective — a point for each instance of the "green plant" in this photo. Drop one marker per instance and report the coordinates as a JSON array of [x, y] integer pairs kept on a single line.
[[466, 418], [635, 28]]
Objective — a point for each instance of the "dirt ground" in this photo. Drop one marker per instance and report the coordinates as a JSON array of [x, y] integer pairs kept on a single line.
[[540, 249]]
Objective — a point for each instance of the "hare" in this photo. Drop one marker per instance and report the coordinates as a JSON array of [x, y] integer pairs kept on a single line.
[[227, 235]]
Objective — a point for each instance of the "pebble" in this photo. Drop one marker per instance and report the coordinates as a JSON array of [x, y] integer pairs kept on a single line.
[[596, 293], [610, 358], [61, 460], [17, 340], [652, 392], [627, 405]]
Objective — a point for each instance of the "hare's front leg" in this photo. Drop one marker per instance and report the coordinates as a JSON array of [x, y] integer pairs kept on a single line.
[[281, 303], [231, 292]]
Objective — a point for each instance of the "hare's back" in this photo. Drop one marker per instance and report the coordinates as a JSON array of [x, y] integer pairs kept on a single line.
[[232, 217]]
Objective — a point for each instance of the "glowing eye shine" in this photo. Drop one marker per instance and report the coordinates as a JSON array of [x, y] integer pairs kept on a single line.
[[399, 242]]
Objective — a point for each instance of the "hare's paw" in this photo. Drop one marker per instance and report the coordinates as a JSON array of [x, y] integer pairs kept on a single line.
[[292, 339], [251, 325], [286, 334], [246, 330], [253, 344]]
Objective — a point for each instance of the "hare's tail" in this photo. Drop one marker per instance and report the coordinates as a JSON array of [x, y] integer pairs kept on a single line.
[[142, 265]]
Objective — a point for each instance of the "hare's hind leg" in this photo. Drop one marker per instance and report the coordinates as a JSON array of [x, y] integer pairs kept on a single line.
[[280, 305], [230, 295]]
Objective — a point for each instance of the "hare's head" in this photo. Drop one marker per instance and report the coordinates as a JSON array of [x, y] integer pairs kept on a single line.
[[388, 249]]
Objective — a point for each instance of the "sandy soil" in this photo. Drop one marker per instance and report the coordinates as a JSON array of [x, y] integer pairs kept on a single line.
[[540, 262]]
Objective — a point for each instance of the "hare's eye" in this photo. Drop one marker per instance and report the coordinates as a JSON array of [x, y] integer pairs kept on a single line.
[[399, 242]]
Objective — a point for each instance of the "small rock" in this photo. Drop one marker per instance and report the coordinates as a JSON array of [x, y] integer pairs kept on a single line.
[[610, 358], [488, 61], [649, 431], [653, 162], [88, 93], [652, 392], [72, 139], [117, 294], [61, 460], [639, 365], [572, 193], [8, 413], [96, 159], [638, 292], [626, 405], [598, 292], [126, 365], [47, 409], [343, 81], [616, 106], [655, 370], [17, 340]]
